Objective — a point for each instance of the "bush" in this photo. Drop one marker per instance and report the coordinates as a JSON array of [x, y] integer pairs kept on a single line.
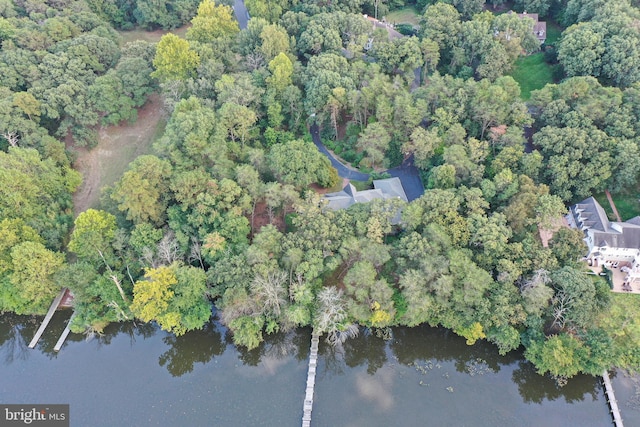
[[349, 156], [406, 29], [550, 54]]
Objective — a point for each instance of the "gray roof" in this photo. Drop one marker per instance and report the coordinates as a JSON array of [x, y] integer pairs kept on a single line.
[[383, 189], [590, 216], [391, 187], [628, 238]]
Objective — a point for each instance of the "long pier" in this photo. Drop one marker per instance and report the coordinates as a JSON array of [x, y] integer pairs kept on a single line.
[[64, 335], [311, 380], [47, 318], [613, 403]]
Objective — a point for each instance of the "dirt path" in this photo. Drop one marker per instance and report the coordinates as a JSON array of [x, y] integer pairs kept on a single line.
[[117, 147], [613, 206]]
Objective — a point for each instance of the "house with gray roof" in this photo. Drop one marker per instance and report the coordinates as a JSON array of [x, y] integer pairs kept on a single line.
[[608, 241], [539, 27], [390, 188]]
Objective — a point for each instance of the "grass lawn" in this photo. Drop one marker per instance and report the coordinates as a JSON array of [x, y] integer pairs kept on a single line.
[[407, 15], [554, 31], [626, 202], [532, 73], [117, 147]]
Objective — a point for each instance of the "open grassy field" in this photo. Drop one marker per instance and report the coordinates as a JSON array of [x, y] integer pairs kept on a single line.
[[407, 15], [532, 72], [117, 147]]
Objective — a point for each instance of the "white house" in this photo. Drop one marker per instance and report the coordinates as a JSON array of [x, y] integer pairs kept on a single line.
[[609, 242]]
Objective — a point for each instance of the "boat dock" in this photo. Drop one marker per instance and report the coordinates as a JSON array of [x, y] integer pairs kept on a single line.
[[64, 335], [47, 318], [611, 399], [311, 380]]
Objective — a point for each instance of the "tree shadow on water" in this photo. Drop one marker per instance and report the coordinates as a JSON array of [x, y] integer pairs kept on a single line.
[[276, 346], [366, 348], [536, 388], [14, 331], [197, 346]]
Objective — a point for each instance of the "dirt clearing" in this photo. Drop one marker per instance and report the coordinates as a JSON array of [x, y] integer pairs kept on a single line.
[[117, 147]]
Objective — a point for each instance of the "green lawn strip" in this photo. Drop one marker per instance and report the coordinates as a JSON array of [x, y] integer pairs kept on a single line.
[[626, 202], [554, 31], [407, 15], [532, 73]]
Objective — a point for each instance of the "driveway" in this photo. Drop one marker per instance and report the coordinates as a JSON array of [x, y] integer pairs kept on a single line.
[[241, 13], [410, 178], [407, 172], [343, 171]]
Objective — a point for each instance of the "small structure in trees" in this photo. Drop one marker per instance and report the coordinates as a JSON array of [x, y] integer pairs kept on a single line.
[[539, 27]]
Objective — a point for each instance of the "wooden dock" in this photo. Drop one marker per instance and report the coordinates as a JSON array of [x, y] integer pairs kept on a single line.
[[311, 380], [64, 335], [47, 318], [611, 398]]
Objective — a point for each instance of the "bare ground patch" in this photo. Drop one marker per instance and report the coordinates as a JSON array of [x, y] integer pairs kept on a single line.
[[117, 147]]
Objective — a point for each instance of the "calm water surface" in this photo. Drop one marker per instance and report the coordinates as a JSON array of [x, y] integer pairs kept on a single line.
[[141, 376]]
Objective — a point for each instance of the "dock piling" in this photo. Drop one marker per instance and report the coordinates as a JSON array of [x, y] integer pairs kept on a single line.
[[613, 403], [64, 335], [47, 318], [311, 380]]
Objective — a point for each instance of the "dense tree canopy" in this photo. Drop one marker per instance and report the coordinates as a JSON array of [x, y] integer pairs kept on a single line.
[[225, 209]]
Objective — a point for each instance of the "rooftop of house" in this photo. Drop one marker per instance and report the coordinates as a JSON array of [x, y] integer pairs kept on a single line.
[[383, 189], [590, 217], [539, 27]]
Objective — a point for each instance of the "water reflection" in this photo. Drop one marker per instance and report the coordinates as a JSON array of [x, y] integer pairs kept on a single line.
[[369, 349], [535, 388], [13, 337], [194, 347], [368, 381], [275, 346]]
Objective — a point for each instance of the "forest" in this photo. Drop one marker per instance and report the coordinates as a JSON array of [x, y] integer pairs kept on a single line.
[[226, 216]]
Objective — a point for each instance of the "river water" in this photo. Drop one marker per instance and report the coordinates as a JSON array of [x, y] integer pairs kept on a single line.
[[142, 376]]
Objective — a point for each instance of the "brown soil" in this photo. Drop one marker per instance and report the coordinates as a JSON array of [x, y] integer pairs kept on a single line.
[[117, 147], [261, 218]]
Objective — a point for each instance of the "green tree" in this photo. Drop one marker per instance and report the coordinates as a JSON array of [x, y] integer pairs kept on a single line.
[[281, 70], [560, 355], [299, 163], [173, 296], [30, 286], [142, 191], [581, 50], [374, 141], [93, 235], [212, 22], [37, 191], [174, 59]]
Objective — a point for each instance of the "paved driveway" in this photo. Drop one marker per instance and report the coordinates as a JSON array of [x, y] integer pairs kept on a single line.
[[343, 171], [407, 172], [241, 13]]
